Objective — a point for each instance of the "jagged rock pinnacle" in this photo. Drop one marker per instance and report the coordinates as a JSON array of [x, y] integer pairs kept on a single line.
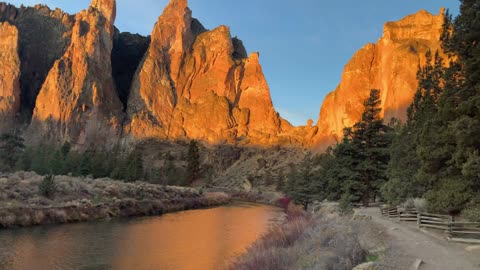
[[107, 7]]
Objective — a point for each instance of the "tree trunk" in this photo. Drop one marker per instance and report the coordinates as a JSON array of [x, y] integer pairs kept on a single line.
[[366, 199]]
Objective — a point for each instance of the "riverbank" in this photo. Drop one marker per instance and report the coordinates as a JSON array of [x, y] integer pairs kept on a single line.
[[324, 240], [85, 199]]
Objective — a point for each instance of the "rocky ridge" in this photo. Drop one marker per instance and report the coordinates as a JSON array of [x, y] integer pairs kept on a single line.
[[95, 86], [389, 65]]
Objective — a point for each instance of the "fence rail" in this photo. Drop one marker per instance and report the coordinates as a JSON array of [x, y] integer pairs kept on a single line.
[[390, 212], [433, 221], [408, 214], [466, 232]]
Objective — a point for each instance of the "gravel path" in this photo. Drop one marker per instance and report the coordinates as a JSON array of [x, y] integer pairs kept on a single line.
[[406, 243]]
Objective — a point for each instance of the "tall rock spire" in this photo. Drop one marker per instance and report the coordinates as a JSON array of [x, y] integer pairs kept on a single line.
[[199, 84], [78, 101], [107, 7], [153, 93], [9, 76]]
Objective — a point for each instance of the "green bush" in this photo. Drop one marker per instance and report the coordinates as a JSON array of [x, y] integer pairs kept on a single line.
[[48, 187], [472, 213], [346, 204], [392, 191], [449, 194]]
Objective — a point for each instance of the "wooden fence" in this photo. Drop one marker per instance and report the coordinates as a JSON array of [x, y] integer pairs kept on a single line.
[[408, 214], [466, 232], [391, 212], [433, 221]]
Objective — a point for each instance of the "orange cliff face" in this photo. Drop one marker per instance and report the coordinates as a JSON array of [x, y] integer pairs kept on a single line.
[[78, 101], [9, 76], [390, 65], [200, 84], [191, 83]]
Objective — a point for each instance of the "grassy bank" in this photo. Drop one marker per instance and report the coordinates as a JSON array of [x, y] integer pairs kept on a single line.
[[85, 199], [324, 240]]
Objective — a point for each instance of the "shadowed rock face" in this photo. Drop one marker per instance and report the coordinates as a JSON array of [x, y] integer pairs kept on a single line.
[[78, 101], [128, 51], [199, 84], [43, 37], [390, 65], [9, 76]]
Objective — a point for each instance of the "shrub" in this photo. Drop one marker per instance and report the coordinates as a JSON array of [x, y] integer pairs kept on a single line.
[[420, 204], [48, 187], [472, 213], [450, 194], [346, 204]]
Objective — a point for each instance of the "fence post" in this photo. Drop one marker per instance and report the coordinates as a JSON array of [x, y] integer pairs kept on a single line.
[[419, 220], [450, 227]]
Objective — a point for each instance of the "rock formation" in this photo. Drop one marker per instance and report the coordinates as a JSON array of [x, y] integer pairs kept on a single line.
[[87, 83], [78, 101], [43, 37], [390, 65], [199, 84], [9, 76]]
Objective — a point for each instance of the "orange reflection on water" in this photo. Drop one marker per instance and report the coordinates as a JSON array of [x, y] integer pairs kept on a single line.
[[192, 240]]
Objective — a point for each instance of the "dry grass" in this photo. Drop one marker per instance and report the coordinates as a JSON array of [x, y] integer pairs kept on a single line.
[[79, 199], [325, 241]]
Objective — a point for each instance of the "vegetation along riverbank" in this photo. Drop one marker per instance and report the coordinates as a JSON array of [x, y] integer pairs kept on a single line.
[[325, 239], [28, 199]]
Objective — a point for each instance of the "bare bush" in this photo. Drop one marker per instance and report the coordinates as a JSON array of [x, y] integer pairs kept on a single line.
[[325, 241]]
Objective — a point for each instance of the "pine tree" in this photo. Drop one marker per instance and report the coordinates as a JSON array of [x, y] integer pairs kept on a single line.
[[302, 191], [85, 164], [11, 149], [412, 139], [48, 187], [280, 181], [291, 178], [451, 137], [371, 141], [193, 161], [134, 170]]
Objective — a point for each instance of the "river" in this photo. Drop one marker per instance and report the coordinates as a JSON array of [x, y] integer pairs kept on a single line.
[[191, 240]]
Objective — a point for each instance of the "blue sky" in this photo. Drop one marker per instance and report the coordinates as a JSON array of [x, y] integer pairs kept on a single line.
[[303, 44]]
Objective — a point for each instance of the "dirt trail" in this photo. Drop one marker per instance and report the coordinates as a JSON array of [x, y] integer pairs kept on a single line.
[[406, 243]]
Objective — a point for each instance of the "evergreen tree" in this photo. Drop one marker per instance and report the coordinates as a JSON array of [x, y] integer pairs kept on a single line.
[[406, 151], [268, 180], [342, 172], [291, 178], [280, 183], [371, 142], [448, 135], [193, 161], [302, 192], [11, 149], [173, 174], [85, 164], [48, 187], [134, 170]]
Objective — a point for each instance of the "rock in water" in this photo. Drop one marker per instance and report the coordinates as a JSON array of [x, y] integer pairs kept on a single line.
[[78, 101], [390, 65], [9, 76]]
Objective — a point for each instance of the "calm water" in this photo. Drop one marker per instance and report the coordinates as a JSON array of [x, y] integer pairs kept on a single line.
[[196, 240]]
